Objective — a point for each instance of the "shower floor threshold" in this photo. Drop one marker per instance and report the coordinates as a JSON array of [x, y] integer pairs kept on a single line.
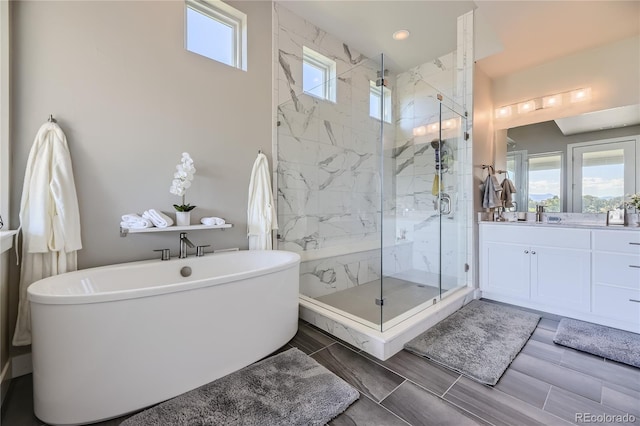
[[368, 337]]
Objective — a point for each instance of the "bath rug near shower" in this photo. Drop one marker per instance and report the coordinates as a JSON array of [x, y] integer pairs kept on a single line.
[[480, 340], [607, 342], [286, 389]]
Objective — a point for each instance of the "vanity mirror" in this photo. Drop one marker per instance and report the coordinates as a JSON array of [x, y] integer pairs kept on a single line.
[[583, 164], [568, 130]]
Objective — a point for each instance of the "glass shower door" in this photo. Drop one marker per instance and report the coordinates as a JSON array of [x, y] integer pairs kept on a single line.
[[424, 233]]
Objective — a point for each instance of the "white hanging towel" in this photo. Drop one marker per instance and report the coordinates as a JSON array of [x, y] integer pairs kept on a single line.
[[261, 213], [49, 219]]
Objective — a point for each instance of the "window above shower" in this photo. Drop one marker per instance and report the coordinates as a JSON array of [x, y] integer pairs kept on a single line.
[[217, 31], [379, 102], [318, 75]]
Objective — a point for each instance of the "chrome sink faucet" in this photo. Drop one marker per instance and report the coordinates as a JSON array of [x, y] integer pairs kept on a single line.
[[184, 242]]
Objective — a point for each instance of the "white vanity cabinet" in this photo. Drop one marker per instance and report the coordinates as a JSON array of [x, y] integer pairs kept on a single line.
[[616, 275], [588, 274], [545, 266]]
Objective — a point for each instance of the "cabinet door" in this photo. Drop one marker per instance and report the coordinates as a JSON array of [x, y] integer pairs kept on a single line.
[[505, 269], [561, 277]]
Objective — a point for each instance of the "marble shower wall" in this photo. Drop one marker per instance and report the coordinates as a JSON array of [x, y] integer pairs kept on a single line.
[[416, 205], [328, 162]]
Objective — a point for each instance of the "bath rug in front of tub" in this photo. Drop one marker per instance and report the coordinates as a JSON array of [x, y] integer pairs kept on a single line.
[[286, 389], [611, 343], [480, 340]]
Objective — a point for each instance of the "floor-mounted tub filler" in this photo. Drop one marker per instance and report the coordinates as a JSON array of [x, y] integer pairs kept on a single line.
[[112, 340]]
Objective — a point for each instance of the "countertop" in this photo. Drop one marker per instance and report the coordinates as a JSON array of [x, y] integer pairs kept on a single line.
[[563, 224], [6, 240]]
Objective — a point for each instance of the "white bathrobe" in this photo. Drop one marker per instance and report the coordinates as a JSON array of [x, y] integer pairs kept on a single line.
[[261, 212], [49, 219]]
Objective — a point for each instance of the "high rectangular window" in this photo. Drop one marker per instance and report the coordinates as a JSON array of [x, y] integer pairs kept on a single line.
[[379, 102], [218, 31], [318, 75]]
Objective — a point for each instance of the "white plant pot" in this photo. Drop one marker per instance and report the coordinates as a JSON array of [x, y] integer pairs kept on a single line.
[[183, 218]]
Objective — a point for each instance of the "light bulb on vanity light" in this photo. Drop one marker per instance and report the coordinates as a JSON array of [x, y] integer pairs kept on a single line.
[[551, 101], [580, 95], [527, 106], [419, 131], [503, 112]]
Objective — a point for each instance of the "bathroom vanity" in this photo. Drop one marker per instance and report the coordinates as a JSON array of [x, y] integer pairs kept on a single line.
[[586, 272]]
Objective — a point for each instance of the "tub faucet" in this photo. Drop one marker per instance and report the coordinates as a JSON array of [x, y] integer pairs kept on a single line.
[[184, 242]]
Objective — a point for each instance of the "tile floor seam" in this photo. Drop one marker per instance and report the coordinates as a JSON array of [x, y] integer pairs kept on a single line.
[[386, 409], [546, 398], [449, 388], [323, 348], [395, 389]]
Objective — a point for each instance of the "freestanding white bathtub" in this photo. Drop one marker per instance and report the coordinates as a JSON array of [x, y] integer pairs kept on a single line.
[[114, 339]]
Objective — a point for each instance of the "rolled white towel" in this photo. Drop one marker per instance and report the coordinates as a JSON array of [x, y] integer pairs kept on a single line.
[[135, 221], [137, 225], [158, 218], [212, 221]]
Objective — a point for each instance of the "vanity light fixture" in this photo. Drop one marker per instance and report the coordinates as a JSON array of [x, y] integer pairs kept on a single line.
[[433, 128], [419, 131], [503, 112], [527, 106], [580, 95], [550, 101], [401, 35]]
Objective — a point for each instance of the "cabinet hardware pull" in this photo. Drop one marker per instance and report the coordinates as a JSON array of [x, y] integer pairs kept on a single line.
[[635, 244], [526, 252], [634, 266], [634, 300], [533, 252]]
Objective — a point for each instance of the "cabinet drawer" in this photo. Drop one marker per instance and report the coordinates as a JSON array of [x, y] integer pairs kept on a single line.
[[615, 303], [618, 241], [621, 270], [538, 235]]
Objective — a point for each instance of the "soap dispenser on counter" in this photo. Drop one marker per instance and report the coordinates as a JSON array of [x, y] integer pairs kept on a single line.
[[539, 211]]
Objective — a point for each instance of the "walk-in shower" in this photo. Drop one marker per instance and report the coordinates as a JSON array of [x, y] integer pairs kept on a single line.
[[373, 191]]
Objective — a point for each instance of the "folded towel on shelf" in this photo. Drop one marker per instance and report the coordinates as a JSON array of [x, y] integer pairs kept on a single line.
[[490, 195], [508, 188], [158, 218], [212, 221], [135, 221]]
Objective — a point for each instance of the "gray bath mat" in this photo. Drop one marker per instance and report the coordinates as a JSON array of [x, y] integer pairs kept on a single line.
[[480, 340], [607, 342], [286, 389]]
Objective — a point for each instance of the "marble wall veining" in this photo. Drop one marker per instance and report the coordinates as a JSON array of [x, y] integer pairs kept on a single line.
[[335, 187], [328, 153]]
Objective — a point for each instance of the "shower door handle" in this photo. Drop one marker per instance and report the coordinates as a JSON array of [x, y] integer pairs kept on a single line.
[[444, 204]]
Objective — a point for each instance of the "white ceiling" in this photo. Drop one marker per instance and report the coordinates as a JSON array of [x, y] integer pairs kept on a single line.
[[510, 35]]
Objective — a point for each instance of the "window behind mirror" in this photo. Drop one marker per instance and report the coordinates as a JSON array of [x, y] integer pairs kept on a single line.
[[601, 173], [545, 182]]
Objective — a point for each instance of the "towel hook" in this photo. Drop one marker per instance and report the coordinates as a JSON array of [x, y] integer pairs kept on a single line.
[[259, 151], [51, 119]]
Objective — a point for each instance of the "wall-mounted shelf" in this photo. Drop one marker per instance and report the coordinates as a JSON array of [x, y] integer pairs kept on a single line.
[[126, 231]]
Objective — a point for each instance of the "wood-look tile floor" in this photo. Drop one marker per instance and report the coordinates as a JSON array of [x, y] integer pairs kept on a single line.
[[546, 384]]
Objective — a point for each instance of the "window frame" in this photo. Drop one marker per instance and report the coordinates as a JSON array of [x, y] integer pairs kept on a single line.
[[226, 15], [384, 94], [562, 191], [328, 68], [574, 172]]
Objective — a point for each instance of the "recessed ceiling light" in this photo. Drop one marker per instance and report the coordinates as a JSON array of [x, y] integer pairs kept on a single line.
[[401, 35]]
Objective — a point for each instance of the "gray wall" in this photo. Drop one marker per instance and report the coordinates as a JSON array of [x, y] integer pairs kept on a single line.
[[547, 137], [131, 99]]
